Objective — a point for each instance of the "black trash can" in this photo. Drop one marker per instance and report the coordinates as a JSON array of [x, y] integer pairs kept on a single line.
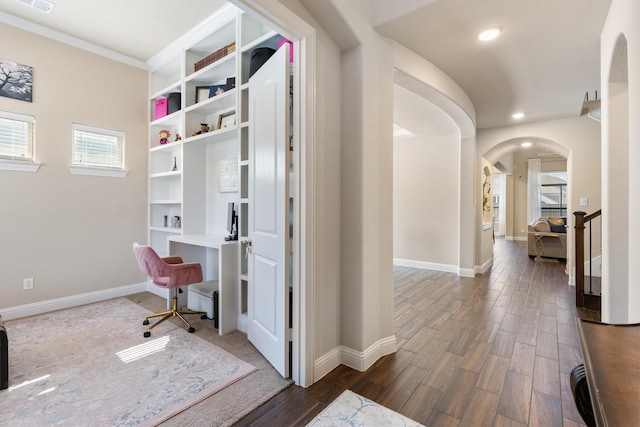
[[259, 56], [4, 357]]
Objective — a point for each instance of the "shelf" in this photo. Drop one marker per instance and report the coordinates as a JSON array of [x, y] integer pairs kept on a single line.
[[165, 202], [262, 40], [214, 104], [213, 136], [172, 119], [167, 147], [165, 174], [173, 87], [173, 230], [215, 72]]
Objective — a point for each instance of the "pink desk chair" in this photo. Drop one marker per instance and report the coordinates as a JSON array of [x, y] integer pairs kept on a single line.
[[168, 272]]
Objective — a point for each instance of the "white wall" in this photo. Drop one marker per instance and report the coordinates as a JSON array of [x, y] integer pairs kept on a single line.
[[72, 233], [426, 179], [620, 134]]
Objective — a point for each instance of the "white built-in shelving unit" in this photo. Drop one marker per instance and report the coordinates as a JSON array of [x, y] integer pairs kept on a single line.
[[183, 173]]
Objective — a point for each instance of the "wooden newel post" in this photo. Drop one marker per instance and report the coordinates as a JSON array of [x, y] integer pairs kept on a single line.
[[579, 259]]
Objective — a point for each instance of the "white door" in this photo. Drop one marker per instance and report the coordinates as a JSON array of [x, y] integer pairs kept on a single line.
[[268, 290]]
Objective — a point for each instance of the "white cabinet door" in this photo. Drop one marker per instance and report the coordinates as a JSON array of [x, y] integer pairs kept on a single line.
[[268, 290]]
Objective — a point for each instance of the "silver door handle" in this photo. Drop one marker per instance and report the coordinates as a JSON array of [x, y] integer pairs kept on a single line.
[[247, 249]]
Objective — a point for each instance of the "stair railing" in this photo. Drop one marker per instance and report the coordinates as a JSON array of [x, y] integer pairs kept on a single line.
[[582, 219]]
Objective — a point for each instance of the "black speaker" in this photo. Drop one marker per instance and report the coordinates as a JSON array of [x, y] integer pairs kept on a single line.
[[174, 102], [259, 56]]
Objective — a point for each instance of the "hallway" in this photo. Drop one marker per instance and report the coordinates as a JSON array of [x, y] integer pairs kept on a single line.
[[494, 350]]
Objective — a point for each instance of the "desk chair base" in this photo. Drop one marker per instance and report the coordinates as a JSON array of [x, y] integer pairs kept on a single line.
[[174, 312]]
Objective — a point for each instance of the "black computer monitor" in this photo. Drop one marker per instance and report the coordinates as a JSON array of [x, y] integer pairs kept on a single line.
[[232, 222]]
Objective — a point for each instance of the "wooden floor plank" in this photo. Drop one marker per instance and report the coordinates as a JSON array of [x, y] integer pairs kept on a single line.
[[492, 350]]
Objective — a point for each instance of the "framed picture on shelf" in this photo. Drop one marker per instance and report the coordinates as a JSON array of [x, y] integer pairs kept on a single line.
[[216, 90], [226, 119], [202, 93]]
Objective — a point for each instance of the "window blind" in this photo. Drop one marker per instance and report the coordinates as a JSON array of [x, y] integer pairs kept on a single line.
[[16, 136], [97, 147]]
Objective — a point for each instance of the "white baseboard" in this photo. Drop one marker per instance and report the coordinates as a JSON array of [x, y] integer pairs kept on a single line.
[[481, 269], [425, 265], [326, 363], [36, 308], [467, 272], [358, 360]]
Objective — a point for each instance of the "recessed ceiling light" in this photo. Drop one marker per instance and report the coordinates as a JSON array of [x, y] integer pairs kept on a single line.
[[489, 34], [526, 144], [517, 116]]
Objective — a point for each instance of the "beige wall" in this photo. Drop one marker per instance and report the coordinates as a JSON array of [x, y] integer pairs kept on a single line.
[[620, 74], [72, 233], [425, 201]]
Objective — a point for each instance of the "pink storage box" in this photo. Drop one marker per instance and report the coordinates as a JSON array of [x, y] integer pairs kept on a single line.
[[162, 107]]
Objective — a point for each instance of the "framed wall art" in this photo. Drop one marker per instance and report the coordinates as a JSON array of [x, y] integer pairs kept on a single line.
[[16, 80], [228, 175]]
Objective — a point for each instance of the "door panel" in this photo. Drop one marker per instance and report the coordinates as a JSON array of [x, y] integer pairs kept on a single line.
[[268, 290]]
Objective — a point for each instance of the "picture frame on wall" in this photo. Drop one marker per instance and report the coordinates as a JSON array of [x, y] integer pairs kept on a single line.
[[227, 119], [228, 175], [16, 81]]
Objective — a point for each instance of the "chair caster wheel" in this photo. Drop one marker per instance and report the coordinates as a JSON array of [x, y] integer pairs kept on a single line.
[[147, 334], [191, 330], [145, 322], [204, 316]]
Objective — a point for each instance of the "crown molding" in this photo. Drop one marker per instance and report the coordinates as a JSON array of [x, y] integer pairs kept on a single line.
[[40, 30]]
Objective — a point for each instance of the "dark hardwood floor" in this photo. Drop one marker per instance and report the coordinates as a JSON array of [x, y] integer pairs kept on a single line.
[[493, 350]]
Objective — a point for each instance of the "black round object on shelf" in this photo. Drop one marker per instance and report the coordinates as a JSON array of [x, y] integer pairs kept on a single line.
[[259, 56]]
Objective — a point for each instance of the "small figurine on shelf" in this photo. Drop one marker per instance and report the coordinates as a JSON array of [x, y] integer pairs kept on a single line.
[[175, 164], [178, 137], [164, 136], [204, 128]]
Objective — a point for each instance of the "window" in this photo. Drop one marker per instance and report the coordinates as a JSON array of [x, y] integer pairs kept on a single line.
[[97, 151], [16, 136], [553, 197]]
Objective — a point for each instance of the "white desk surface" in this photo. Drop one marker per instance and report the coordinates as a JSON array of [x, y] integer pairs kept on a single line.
[[205, 240]]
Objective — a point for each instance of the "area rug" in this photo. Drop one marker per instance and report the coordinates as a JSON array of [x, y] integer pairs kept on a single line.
[[351, 409], [91, 366]]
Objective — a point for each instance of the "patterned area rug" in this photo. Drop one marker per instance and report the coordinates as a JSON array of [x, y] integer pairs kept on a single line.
[[91, 366], [351, 409]]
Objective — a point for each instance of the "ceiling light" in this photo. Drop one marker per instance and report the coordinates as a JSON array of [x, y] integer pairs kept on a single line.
[[526, 144], [41, 5], [489, 34], [517, 116]]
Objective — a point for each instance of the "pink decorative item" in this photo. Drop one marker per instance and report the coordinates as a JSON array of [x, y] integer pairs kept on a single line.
[[162, 107], [283, 41]]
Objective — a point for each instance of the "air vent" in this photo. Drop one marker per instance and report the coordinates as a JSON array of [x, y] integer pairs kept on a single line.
[[41, 5]]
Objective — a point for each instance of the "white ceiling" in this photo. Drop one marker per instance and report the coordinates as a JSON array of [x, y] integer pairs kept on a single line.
[[544, 62], [136, 28], [546, 59]]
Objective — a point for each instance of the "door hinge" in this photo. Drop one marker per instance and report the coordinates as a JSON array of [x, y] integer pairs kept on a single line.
[[289, 248], [289, 334]]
